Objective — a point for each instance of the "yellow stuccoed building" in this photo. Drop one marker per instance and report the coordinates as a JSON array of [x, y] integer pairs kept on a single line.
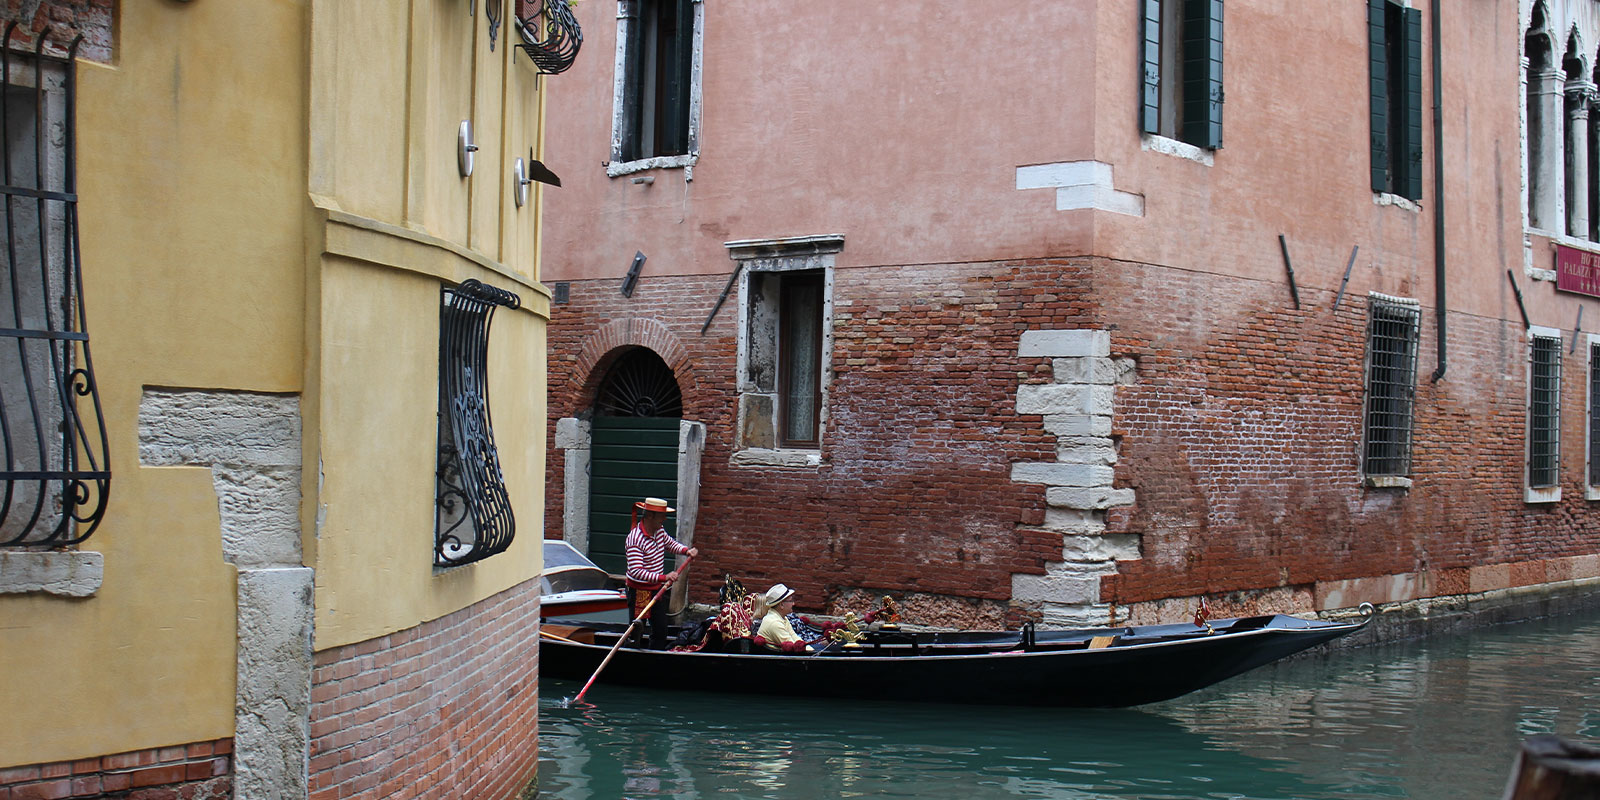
[[297, 221]]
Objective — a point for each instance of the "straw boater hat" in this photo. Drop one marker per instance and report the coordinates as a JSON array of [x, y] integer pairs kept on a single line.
[[777, 594], [655, 504]]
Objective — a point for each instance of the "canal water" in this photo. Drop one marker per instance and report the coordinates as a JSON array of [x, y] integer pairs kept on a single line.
[[1437, 718]]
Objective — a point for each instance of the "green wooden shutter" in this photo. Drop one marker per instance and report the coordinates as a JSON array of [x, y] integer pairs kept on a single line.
[[1377, 53], [1411, 156], [1150, 99], [1202, 73]]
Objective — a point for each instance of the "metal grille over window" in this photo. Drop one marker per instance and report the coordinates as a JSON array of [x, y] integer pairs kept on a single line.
[[1544, 413], [1392, 333], [550, 35], [1594, 415], [473, 510], [51, 425]]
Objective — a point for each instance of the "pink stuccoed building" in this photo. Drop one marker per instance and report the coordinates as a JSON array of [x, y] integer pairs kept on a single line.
[[1081, 311]]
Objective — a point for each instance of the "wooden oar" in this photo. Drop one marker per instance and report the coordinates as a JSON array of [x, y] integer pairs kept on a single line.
[[625, 633], [548, 635]]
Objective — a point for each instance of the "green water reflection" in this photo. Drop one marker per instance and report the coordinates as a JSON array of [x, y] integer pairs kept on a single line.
[[1434, 719]]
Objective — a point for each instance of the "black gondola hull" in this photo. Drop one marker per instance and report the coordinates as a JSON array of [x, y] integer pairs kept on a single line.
[[1145, 665]]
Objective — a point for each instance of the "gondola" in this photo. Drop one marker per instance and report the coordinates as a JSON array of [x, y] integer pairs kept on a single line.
[[572, 584], [1093, 667]]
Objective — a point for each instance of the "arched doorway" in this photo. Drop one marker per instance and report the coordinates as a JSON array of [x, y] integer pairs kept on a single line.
[[634, 450]]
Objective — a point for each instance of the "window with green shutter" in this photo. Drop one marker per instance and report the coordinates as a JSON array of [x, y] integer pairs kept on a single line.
[[1181, 85], [1395, 53]]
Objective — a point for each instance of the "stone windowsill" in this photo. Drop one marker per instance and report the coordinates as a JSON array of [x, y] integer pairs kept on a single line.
[[1532, 495], [1390, 199], [1591, 493], [1167, 145], [617, 169], [761, 457], [1387, 482], [64, 573]]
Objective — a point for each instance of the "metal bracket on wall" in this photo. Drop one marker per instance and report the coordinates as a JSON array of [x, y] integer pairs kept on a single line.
[[1522, 309], [721, 298], [465, 148], [632, 278], [1353, 250], [1294, 291], [1577, 330]]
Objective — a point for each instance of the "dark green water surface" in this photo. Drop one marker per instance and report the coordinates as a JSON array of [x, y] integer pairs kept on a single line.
[[1439, 718]]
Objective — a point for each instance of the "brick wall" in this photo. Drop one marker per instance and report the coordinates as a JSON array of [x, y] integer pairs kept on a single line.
[[1239, 433], [446, 709], [198, 771], [66, 19]]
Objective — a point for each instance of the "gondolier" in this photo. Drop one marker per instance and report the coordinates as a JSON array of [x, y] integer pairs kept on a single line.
[[646, 547]]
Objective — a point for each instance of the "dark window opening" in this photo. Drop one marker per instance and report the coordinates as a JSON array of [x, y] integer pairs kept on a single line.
[[799, 358], [473, 518], [1392, 334], [1182, 83], [657, 65], [1594, 415], [1544, 413], [1395, 50]]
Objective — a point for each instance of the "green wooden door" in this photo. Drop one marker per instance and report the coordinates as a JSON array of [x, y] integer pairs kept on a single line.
[[630, 458]]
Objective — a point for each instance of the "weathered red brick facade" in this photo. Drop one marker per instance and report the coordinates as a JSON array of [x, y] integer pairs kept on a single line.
[[198, 771], [66, 18], [1239, 431], [446, 709]]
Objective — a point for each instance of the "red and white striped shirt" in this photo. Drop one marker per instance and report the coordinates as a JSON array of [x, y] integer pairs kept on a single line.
[[647, 555]]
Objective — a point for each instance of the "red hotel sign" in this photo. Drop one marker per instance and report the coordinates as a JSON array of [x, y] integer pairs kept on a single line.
[[1577, 271]]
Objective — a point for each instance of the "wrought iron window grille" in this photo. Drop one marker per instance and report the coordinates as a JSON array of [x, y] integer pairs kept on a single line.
[[1544, 412], [550, 36], [56, 474], [473, 517], [1594, 414], [1393, 329]]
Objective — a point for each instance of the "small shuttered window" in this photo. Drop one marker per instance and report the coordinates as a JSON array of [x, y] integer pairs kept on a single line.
[[1181, 49], [1395, 50]]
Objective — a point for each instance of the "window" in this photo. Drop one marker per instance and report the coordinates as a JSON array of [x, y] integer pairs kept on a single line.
[[54, 475], [1544, 415], [655, 120], [1182, 91], [1593, 428], [784, 347], [1395, 34], [799, 357], [473, 518], [1392, 332]]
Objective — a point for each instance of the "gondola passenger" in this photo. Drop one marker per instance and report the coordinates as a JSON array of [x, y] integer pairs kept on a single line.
[[775, 627], [647, 545]]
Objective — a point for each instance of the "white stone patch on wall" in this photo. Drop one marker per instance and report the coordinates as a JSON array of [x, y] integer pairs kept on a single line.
[[1081, 184], [1077, 408], [70, 573], [201, 428], [273, 699], [251, 443]]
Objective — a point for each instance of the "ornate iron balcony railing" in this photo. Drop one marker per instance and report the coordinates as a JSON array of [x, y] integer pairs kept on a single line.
[[550, 37], [473, 510], [56, 475]]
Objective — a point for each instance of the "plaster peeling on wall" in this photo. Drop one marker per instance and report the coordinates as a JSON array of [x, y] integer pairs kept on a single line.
[[1081, 184], [1077, 408], [251, 443]]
